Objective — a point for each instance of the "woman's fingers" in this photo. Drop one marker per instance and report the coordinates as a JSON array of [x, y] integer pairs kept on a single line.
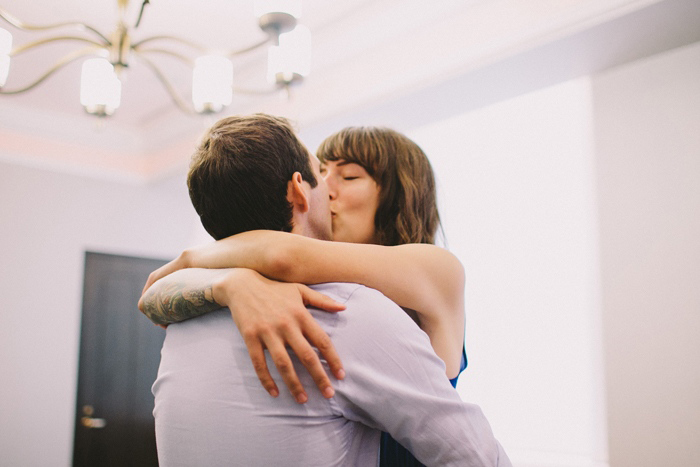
[[273, 316], [293, 335], [318, 300], [281, 359], [257, 356], [316, 335], [181, 262], [299, 336], [161, 272], [301, 344]]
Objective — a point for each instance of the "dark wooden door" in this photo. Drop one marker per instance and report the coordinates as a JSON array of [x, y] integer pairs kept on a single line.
[[119, 358]]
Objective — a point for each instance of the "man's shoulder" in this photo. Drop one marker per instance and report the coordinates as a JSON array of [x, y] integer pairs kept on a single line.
[[364, 304]]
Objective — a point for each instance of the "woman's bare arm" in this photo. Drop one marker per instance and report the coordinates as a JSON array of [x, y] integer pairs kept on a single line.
[[424, 278]]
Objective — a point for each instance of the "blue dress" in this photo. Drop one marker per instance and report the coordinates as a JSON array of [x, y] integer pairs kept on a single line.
[[392, 454]]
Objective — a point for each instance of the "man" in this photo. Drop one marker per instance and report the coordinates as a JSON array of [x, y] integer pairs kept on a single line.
[[253, 173]]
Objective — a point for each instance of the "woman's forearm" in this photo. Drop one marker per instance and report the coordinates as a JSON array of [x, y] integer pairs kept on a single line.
[[424, 278], [421, 277], [263, 251]]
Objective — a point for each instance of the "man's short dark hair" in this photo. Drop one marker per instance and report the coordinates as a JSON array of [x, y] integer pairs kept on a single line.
[[238, 176]]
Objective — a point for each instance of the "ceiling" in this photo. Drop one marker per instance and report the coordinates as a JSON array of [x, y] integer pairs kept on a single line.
[[367, 53]]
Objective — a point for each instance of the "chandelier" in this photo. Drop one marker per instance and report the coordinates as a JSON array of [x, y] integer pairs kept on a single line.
[[212, 73]]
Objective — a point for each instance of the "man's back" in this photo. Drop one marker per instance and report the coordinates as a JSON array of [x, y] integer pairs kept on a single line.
[[211, 409]]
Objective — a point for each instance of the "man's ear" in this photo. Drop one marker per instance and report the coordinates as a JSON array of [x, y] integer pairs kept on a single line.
[[297, 193]]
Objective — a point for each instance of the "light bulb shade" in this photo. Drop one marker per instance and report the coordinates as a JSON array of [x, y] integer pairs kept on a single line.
[[290, 7], [212, 81], [291, 57], [100, 89], [5, 42], [4, 69], [296, 45]]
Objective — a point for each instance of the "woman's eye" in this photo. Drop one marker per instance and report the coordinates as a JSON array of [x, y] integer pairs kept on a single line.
[[350, 178]]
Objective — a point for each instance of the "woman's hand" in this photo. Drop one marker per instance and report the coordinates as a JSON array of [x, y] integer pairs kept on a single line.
[[272, 315], [175, 265]]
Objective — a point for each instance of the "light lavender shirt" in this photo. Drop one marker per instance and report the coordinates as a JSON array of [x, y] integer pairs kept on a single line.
[[211, 410]]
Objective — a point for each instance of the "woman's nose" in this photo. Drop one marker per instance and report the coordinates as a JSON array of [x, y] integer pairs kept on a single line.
[[332, 192]]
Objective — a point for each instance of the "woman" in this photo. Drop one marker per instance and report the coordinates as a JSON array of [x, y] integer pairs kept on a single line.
[[384, 216]]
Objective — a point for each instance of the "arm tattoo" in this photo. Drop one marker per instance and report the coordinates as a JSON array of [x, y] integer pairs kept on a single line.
[[175, 302]]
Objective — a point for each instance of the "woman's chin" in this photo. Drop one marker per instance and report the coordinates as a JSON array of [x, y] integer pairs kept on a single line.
[[340, 236], [346, 238]]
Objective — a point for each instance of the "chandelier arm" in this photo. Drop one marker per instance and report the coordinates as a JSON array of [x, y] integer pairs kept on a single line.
[[4, 14], [200, 48], [67, 59], [138, 20], [24, 47], [177, 100], [233, 53], [177, 55], [136, 46], [256, 92]]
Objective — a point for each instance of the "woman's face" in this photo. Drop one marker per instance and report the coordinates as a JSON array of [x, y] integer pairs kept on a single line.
[[354, 197]]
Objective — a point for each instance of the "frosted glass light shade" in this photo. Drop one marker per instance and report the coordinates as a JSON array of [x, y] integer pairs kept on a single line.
[[263, 7], [4, 69], [212, 81], [275, 63], [5, 42], [292, 57], [100, 89], [296, 45]]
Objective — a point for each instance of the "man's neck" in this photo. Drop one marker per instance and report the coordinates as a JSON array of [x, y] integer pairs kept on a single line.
[[302, 229]]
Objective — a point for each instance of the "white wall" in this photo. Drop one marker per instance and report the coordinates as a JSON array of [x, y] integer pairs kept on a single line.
[[648, 164], [528, 190], [517, 200], [48, 221], [583, 263]]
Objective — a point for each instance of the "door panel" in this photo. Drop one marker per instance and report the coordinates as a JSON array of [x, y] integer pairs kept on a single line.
[[119, 358]]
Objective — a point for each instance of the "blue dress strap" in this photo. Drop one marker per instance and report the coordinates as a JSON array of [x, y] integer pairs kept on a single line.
[[462, 367]]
